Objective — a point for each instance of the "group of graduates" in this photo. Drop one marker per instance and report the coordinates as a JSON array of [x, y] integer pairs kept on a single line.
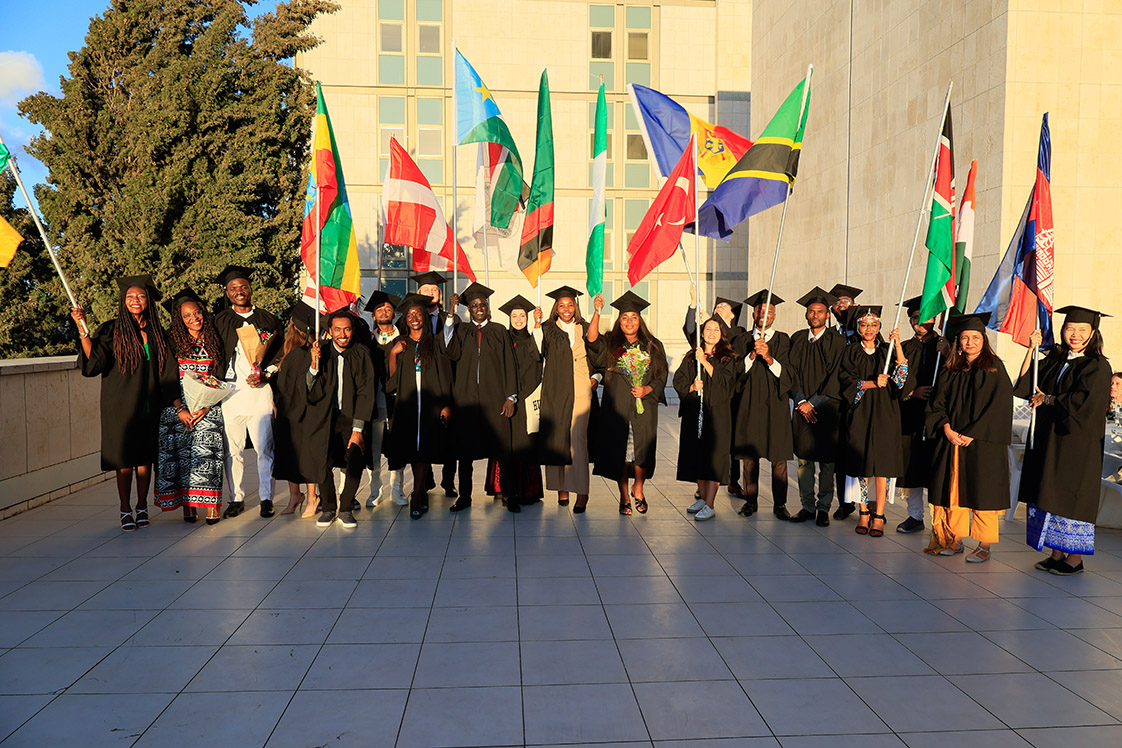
[[424, 387]]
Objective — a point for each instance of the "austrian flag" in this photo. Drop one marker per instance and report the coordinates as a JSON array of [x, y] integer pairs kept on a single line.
[[414, 217]]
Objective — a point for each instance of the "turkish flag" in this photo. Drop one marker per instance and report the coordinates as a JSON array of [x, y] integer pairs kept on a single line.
[[658, 236]]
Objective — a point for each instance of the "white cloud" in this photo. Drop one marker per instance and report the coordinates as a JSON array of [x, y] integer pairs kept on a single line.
[[20, 75]]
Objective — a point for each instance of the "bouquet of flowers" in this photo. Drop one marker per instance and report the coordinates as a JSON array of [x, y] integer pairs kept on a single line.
[[204, 391], [254, 343], [635, 363]]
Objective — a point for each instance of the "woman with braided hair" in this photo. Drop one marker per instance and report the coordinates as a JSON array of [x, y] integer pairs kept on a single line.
[[191, 444], [138, 374]]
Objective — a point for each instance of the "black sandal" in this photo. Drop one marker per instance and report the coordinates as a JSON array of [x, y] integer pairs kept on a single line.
[[864, 530], [625, 508], [873, 532], [190, 515], [641, 506]]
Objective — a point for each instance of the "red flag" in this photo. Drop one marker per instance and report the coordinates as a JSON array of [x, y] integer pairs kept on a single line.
[[414, 217], [657, 237]]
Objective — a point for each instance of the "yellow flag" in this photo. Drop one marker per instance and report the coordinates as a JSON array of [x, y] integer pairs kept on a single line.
[[9, 241]]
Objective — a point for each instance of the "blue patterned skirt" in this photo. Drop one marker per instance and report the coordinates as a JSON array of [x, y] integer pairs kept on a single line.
[[190, 463], [1047, 530]]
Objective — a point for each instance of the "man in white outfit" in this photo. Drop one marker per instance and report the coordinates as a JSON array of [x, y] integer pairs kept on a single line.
[[249, 410]]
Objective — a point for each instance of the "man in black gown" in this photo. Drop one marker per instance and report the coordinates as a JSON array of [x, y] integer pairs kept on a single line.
[[381, 306], [484, 388], [815, 357], [762, 428], [429, 284], [340, 405], [841, 309]]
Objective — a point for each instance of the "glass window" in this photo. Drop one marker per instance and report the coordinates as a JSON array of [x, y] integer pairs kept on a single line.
[[610, 111], [630, 122], [610, 212], [636, 175], [391, 70], [430, 111], [633, 212], [429, 10], [395, 285], [428, 42], [391, 132], [602, 16], [609, 296], [601, 45], [643, 289], [636, 148], [393, 10], [639, 72], [429, 142], [636, 45], [391, 37], [638, 18], [395, 256], [595, 70], [433, 169], [391, 110], [430, 71], [609, 179], [592, 146]]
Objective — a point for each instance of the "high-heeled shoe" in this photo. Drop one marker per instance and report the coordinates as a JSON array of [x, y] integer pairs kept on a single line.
[[190, 515], [294, 501], [579, 507], [215, 519], [311, 506], [875, 532], [863, 529]]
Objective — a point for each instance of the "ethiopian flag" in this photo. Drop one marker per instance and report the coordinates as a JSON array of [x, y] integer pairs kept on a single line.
[[939, 282], [594, 254], [536, 253], [478, 120], [331, 223]]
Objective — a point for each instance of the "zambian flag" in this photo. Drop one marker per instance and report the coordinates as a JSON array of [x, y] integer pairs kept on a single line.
[[332, 224], [478, 120], [939, 282], [536, 253]]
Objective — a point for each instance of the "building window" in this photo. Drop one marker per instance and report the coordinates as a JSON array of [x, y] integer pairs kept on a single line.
[[391, 70], [637, 45], [428, 42], [391, 110], [430, 112], [430, 71], [601, 45], [429, 10], [391, 37], [430, 142], [386, 134], [638, 18], [636, 148], [602, 16]]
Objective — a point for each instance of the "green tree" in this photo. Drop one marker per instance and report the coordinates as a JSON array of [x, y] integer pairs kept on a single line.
[[179, 145], [33, 319]]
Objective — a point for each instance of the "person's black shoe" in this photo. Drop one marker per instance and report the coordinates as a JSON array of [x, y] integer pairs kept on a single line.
[[325, 519], [266, 508], [844, 510], [1047, 563], [347, 520], [233, 509], [804, 515], [782, 513], [449, 490], [822, 519], [1064, 569], [910, 525], [459, 505], [748, 510], [512, 505]]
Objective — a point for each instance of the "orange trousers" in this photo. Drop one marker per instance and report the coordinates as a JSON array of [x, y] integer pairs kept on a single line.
[[950, 524]]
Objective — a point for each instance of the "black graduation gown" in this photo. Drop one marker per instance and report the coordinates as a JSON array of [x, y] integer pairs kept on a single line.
[[618, 414], [528, 364], [814, 378], [130, 403], [484, 378], [705, 458], [918, 452], [763, 417], [556, 415], [290, 396], [227, 322], [401, 445], [323, 414], [379, 356], [871, 441], [978, 404], [1062, 473]]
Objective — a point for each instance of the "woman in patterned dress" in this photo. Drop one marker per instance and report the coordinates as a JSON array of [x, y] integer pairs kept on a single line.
[[191, 445]]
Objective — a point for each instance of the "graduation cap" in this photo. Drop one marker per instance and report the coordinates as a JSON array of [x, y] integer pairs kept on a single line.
[[736, 306], [413, 300], [817, 296], [430, 278], [963, 322], [840, 289], [760, 297], [143, 281], [857, 312], [631, 302], [913, 304], [518, 302], [378, 298], [233, 272], [565, 292], [473, 292], [181, 298], [303, 318], [1082, 315]]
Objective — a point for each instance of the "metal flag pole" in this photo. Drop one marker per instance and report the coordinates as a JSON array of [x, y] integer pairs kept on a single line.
[[486, 180], [318, 269], [924, 208], [1035, 383], [43, 235], [455, 142], [697, 303]]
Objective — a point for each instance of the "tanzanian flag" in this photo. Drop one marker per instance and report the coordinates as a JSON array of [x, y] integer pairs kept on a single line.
[[536, 253], [764, 176], [332, 224], [478, 120]]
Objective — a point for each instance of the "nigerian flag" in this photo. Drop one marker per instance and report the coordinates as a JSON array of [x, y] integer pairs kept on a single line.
[[478, 120], [594, 255]]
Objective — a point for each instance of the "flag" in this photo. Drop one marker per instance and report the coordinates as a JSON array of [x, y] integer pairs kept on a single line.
[[414, 217], [1019, 298], [9, 242], [964, 243], [658, 235], [763, 176], [667, 128], [4, 154], [939, 282], [501, 244], [338, 250], [478, 120], [536, 253], [594, 253], [330, 299]]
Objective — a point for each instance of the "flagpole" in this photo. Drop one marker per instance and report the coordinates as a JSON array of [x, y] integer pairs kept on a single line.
[[1035, 382], [697, 303], [455, 204], [318, 301], [43, 235], [924, 208], [486, 258]]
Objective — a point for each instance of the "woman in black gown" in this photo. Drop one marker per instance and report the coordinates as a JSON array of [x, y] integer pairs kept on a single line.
[[139, 376], [627, 438], [703, 457], [872, 446], [290, 396], [420, 379]]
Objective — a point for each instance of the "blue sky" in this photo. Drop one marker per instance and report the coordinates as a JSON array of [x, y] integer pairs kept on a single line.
[[34, 42]]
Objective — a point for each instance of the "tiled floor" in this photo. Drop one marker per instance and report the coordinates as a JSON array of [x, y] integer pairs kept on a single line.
[[487, 629]]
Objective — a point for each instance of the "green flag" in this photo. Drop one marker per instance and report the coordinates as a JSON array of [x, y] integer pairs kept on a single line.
[[938, 283], [3, 157], [536, 252], [594, 255]]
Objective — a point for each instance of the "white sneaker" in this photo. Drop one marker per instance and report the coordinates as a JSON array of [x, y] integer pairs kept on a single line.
[[696, 507], [399, 497], [706, 512], [373, 501]]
